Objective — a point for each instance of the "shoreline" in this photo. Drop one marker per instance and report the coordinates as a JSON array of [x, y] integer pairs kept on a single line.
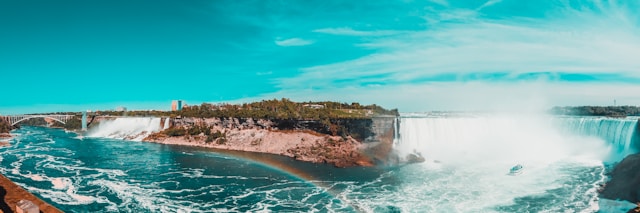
[[11, 193], [299, 145], [5, 138]]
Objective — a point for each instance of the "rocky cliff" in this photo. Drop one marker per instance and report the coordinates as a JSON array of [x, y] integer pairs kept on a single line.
[[341, 142], [5, 128], [625, 181]]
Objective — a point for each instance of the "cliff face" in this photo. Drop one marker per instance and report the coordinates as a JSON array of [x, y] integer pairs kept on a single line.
[[5, 128], [625, 181], [341, 142], [368, 130]]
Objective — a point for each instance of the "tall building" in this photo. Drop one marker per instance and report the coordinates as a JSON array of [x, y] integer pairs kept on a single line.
[[176, 105]]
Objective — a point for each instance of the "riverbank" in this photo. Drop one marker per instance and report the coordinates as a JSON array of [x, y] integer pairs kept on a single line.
[[10, 194], [624, 182], [301, 145], [340, 142], [4, 139]]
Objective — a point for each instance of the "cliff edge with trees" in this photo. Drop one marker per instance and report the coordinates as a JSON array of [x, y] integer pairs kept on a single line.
[[323, 132]]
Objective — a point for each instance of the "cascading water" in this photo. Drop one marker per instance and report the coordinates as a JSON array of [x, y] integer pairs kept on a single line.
[[426, 134], [469, 156], [619, 132], [396, 131], [131, 128], [166, 123], [468, 159]]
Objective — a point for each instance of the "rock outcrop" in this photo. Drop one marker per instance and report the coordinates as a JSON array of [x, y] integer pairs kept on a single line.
[[625, 181], [5, 126], [341, 142]]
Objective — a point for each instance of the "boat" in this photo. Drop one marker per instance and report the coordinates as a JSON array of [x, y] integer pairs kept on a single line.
[[516, 170]]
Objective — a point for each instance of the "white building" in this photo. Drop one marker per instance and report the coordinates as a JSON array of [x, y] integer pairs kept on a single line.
[[314, 106]]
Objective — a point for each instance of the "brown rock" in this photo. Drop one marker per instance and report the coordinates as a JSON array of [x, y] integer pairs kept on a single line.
[[12, 193]]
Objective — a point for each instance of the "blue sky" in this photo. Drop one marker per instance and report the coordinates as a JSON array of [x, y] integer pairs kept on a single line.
[[415, 55]]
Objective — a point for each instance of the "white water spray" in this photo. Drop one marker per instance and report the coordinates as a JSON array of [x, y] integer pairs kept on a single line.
[[507, 138], [619, 133], [166, 123], [469, 156], [131, 128]]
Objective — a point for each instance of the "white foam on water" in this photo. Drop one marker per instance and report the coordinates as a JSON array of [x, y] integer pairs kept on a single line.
[[74, 184], [60, 183], [475, 154], [36, 177], [129, 128], [614, 206]]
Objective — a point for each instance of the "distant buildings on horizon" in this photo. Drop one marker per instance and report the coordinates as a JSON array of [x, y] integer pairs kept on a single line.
[[176, 105]]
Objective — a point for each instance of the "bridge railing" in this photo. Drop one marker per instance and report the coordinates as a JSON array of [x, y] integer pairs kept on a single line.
[[14, 119]]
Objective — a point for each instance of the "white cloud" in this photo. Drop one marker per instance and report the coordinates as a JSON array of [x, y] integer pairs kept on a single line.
[[293, 42], [595, 39], [575, 44], [489, 3], [504, 96]]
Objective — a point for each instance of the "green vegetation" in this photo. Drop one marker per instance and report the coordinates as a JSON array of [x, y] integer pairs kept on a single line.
[[34, 122], [218, 137], [325, 117], [175, 132], [74, 123], [286, 109], [612, 111], [268, 109]]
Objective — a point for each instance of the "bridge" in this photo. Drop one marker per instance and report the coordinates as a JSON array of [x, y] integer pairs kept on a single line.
[[15, 119]]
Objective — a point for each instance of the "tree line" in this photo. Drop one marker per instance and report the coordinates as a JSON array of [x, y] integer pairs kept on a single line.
[[613, 111], [287, 109], [269, 109]]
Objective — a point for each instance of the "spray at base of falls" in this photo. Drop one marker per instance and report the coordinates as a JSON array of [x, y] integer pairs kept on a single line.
[[128, 128], [468, 159], [509, 137], [167, 122]]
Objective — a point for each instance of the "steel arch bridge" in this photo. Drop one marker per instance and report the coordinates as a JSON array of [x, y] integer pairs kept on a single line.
[[14, 119]]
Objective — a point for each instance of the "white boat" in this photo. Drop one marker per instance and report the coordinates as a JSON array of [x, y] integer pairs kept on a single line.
[[516, 170]]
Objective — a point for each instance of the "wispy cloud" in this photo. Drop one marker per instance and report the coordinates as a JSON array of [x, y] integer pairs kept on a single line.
[[477, 95], [293, 42], [489, 3], [589, 39]]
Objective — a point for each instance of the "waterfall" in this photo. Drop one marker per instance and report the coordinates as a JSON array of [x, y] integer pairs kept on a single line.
[[515, 137], [166, 123], [396, 130], [618, 132], [130, 128]]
